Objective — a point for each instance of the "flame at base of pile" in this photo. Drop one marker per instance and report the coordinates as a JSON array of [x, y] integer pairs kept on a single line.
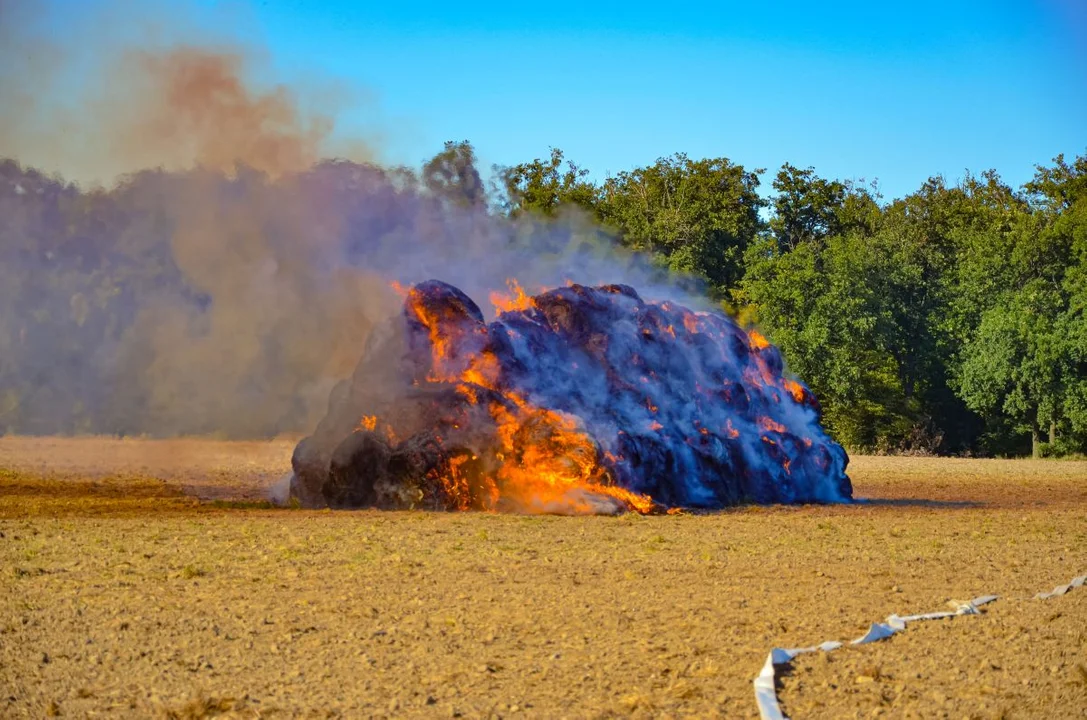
[[577, 400]]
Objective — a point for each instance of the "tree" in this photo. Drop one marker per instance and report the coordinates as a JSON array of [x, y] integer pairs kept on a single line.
[[807, 208], [699, 216], [545, 187], [1072, 324], [452, 176], [823, 304], [1015, 364], [1024, 367]]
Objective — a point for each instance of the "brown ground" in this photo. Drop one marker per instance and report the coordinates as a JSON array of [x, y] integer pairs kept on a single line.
[[122, 594]]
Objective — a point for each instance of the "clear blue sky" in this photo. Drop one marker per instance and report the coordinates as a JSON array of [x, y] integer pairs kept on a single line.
[[895, 91]]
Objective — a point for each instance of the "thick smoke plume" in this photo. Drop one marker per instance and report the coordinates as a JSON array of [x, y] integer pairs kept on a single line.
[[224, 274]]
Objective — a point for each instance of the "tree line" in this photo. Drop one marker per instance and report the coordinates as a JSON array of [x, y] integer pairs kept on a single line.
[[951, 320]]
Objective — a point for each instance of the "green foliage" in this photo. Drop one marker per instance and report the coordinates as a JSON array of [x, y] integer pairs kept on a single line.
[[953, 319], [834, 331], [1012, 367], [1024, 366], [807, 208], [950, 319], [699, 216], [544, 187]]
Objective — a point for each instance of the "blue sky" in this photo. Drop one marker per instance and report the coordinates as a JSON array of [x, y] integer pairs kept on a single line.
[[894, 91]]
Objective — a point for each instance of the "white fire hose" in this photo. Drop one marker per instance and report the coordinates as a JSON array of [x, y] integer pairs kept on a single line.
[[766, 695]]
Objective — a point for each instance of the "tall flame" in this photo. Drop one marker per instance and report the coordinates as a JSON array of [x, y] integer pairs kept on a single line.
[[512, 300]]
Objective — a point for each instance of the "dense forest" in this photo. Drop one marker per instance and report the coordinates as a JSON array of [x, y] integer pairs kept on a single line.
[[948, 321]]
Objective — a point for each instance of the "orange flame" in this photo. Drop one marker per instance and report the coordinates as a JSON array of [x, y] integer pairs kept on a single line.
[[456, 483], [368, 422], [757, 340], [767, 424], [516, 299], [795, 389], [547, 464], [439, 343], [483, 370], [442, 341], [469, 393]]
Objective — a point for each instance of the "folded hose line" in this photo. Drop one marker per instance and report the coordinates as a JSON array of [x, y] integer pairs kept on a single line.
[[1062, 589], [766, 693]]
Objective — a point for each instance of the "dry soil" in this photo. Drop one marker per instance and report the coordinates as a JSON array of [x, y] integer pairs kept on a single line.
[[144, 578]]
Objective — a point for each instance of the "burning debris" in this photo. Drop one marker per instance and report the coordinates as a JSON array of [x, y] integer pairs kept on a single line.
[[577, 400]]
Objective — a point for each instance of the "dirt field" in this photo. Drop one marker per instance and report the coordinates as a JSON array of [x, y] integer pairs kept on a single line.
[[132, 584]]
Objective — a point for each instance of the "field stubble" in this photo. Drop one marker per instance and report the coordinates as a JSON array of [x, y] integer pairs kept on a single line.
[[144, 577]]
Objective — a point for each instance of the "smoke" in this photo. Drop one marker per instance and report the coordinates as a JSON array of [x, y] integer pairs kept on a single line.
[[215, 272], [97, 90]]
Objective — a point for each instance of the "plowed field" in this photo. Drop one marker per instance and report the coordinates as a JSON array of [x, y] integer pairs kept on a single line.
[[145, 578]]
